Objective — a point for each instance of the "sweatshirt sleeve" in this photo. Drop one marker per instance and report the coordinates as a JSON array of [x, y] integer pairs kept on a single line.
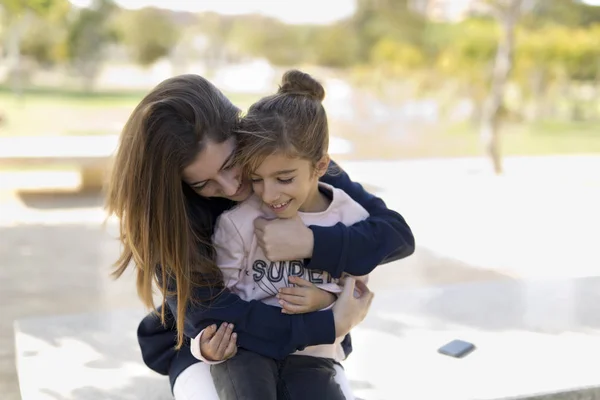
[[260, 328], [229, 247], [357, 249]]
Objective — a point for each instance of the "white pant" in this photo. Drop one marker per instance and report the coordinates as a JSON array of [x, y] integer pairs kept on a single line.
[[195, 383]]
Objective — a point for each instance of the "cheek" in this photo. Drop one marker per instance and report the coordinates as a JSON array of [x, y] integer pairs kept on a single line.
[[297, 189], [258, 188]]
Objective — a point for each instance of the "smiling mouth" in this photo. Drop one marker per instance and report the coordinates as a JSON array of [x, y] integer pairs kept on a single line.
[[279, 206]]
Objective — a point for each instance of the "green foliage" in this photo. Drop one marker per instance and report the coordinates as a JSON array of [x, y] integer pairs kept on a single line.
[[470, 53], [338, 46], [560, 50], [18, 7], [149, 34], [44, 36], [261, 36], [88, 35], [572, 13], [390, 20]]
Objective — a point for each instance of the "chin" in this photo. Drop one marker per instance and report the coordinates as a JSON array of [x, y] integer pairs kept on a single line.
[[288, 214]]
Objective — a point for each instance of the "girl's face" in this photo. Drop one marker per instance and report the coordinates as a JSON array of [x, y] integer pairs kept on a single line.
[[212, 174], [288, 184]]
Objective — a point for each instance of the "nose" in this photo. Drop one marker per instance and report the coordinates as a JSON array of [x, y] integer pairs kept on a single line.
[[229, 184], [270, 194]]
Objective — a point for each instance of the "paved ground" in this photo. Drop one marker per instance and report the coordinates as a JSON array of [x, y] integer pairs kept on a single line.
[[542, 330], [55, 256]]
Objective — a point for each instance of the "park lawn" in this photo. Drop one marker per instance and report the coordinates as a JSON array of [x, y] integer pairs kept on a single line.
[[462, 140], [51, 112]]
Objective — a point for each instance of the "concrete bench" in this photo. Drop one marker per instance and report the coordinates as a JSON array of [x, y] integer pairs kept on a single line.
[[535, 340], [91, 154]]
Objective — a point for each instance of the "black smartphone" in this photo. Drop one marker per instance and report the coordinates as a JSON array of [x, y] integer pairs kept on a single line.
[[457, 348]]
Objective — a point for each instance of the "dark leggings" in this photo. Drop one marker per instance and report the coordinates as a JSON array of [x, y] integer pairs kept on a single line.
[[250, 376]]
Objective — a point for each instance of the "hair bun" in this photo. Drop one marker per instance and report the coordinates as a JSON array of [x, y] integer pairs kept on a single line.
[[298, 82]]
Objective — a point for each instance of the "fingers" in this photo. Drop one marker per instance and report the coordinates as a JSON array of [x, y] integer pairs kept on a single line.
[[289, 308], [291, 299], [225, 336], [348, 289], [260, 223], [208, 333], [218, 336], [231, 349], [293, 291], [362, 288], [365, 295], [296, 280]]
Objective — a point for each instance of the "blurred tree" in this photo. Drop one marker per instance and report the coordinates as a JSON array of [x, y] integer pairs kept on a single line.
[[539, 66], [335, 45], [574, 13], [466, 56], [44, 38], [507, 12], [148, 33], [16, 8], [88, 35], [557, 59], [16, 14], [375, 20], [279, 43], [217, 31]]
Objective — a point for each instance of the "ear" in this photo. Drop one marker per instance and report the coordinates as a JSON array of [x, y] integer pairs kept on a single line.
[[322, 165]]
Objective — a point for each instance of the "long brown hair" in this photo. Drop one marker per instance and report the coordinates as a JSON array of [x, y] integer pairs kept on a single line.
[[167, 244], [292, 121]]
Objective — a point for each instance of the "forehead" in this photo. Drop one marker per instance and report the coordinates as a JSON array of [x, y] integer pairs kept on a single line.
[[209, 161], [274, 163]]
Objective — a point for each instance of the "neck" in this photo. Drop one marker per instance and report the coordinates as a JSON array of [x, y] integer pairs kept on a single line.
[[316, 202]]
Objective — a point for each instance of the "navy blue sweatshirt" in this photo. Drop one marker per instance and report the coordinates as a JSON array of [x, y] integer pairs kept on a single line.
[[356, 249]]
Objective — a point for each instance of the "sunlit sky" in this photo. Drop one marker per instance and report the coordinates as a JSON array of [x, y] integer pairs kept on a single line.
[[294, 12]]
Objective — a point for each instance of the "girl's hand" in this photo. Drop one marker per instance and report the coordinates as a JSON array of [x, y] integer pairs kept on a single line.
[[218, 345], [274, 238], [304, 298]]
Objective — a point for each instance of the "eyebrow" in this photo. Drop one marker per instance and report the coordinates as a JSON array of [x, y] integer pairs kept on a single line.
[[282, 172], [285, 171], [227, 160]]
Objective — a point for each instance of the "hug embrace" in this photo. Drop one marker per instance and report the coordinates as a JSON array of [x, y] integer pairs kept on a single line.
[[260, 246]]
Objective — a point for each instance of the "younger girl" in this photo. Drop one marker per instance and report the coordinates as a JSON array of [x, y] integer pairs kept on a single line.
[[283, 148]]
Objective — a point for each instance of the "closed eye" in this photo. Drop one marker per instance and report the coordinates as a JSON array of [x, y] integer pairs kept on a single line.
[[285, 181]]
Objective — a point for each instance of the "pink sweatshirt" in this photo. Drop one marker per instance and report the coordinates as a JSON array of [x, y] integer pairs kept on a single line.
[[248, 273]]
